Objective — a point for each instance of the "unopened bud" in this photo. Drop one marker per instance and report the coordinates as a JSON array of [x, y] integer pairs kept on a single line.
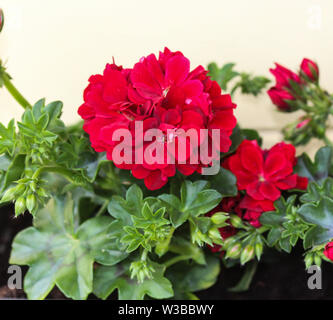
[[31, 202], [247, 254], [258, 249], [317, 260], [215, 235], [19, 206], [234, 251], [236, 221], [308, 260], [2, 19], [33, 186], [219, 217]]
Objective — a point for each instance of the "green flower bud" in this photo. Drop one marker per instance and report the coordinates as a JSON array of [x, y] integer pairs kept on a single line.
[[228, 242], [308, 260], [215, 235], [247, 254], [236, 221], [234, 251], [258, 249], [31, 202], [8, 195], [219, 217], [317, 260], [41, 192], [19, 206], [33, 186]]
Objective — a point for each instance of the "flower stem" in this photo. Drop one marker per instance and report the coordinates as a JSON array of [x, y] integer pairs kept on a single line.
[[13, 91], [103, 208], [176, 259]]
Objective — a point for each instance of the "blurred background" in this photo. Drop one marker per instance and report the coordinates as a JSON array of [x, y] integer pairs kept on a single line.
[[52, 47]]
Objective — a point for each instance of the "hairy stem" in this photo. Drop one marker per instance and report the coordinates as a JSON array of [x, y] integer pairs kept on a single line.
[[13, 91]]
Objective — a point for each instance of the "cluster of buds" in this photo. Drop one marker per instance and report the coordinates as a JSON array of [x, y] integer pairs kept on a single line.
[[302, 92], [245, 245], [141, 270], [213, 235], [28, 193]]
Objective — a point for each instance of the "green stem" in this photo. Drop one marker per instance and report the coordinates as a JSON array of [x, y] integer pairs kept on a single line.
[[176, 259], [102, 208], [13, 91], [67, 173]]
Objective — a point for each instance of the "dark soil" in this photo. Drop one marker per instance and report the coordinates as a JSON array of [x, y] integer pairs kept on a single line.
[[279, 276]]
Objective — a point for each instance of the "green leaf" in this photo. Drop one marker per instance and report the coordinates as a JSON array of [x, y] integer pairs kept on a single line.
[[108, 279], [315, 191], [318, 170], [195, 200], [14, 171], [224, 182], [58, 253], [190, 277], [122, 209], [222, 75], [321, 215], [8, 138]]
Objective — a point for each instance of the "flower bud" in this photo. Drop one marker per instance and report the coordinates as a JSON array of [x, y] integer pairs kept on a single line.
[[31, 202], [258, 249], [236, 221], [303, 123], [310, 69], [8, 195], [219, 217], [33, 186], [234, 251], [11, 193], [19, 206], [247, 254], [215, 235], [308, 260], [280, 98], [317, 260], [2, 19]]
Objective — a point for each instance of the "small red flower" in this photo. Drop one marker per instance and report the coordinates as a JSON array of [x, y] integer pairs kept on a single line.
[[310, 69], [164, 94], [264, 173], [328, 252]]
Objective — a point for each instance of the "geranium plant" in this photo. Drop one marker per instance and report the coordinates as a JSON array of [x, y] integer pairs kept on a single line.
[[158, 185]]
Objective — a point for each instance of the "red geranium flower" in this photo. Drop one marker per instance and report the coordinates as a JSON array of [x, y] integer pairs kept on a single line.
[[263, 173], [164, 94]]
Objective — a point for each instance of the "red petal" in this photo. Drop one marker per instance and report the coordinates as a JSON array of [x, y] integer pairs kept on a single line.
[[155, 180], [177, 69], [269, 191]]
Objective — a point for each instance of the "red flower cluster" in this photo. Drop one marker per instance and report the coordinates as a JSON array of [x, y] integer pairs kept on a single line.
[[164, 94], [264, 173], [283, 92]]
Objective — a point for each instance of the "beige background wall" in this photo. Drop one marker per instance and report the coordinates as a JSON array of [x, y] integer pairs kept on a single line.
[[51, 47]]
